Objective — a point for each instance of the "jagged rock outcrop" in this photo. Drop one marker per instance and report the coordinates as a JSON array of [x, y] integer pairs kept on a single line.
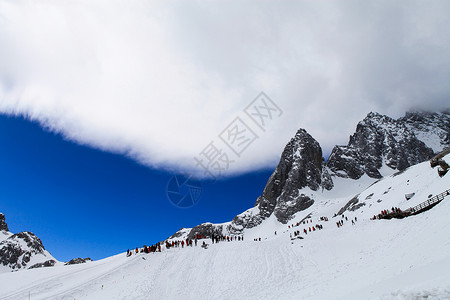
[[379, 140], [3, 225], [248, 219], [45, 264], [77, 261], [206, 230], [19, 251]]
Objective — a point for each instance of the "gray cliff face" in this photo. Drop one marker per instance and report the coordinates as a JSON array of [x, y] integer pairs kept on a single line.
[[378, 139], [301, 165]]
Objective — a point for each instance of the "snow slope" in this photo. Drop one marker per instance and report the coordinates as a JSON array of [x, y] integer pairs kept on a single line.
[[374, 259]]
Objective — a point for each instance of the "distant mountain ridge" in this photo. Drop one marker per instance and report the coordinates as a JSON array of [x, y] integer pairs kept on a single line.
[[379, 143], [380, 140]]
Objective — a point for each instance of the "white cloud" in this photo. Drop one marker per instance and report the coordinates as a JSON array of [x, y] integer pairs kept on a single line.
[[160, 80]]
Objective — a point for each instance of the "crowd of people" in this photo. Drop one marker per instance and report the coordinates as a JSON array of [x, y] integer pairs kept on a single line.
[[150, 249], [218, 238], [386, 212]]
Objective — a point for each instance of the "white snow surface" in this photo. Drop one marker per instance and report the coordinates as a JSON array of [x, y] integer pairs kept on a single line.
[[373, 259]]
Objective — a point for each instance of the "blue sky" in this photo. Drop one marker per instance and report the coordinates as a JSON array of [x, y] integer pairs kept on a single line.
[[84, 202]]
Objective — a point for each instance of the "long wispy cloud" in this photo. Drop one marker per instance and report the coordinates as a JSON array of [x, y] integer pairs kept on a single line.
[[159, 80]]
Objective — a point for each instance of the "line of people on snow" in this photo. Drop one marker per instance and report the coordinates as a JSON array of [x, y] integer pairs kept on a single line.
[[309, 229], [218, 238], [340, 223], [181, 243]]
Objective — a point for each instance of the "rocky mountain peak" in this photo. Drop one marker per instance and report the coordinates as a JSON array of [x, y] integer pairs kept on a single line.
[[18, 251], [378, 140], [301, 165], [3, 225], [374, 118]]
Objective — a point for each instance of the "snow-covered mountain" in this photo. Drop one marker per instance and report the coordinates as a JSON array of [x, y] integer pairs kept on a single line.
[[380, 146], [22, 250], [380, 141]]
